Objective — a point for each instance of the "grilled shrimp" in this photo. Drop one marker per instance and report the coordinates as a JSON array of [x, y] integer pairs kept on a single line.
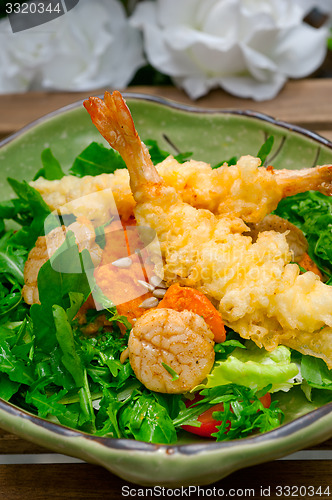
[[47, 245], [164, 341], [260, 294]]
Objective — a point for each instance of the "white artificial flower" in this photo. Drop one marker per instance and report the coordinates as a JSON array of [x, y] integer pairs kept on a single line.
[[247, 47], [91, 46]]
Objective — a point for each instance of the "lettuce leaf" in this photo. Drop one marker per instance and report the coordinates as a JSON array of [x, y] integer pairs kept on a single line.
[[255, 368]]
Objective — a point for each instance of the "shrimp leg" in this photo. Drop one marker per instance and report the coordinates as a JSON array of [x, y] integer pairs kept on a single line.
[[298, 181]]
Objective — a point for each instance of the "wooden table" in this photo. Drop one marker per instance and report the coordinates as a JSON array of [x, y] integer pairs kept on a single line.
[[28, 471]]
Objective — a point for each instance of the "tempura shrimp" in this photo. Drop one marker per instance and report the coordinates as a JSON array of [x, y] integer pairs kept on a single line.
[[47, 245], [260, 294], [171, 351], [294, 236], [245, 190]]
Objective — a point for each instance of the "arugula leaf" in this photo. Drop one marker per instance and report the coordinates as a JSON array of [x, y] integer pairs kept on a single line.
[[95, 160], [243, 411], [64, 335], [27, 236], [76, 301], [107, 418], [7, 387], [312, 213], [10, 299], [266, 148], [46, 404], [17, 210], [316, 373], [224, 349], [51, 167], [143, 418], [231, 161], [158, 155], [14, 367], [263, 153], [12, 259], [65, 272]]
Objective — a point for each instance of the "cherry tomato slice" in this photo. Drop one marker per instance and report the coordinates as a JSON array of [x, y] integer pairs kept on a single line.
[[208, 423]]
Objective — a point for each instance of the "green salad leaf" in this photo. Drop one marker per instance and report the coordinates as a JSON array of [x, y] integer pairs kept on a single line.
[[51, 167], [7, 387], [242, 411], [65, 272], [143, 418], [312, 213], [316, 373], [39, 210], [158, 155], [12, 258], [263, 153], [255, 368], [266, 148], [96, 159]]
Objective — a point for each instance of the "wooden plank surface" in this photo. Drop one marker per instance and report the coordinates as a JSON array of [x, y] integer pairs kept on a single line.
[[88, 482], [305, 102]]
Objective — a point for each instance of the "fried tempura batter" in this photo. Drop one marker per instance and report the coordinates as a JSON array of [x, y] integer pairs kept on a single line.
[[243, 190], [47, 245]]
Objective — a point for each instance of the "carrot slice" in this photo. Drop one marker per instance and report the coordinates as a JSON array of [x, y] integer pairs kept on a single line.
[[184, 298], [122, 285], [308, 264]]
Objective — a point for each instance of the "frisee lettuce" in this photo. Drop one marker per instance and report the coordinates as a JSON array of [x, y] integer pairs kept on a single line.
[[243, 412]]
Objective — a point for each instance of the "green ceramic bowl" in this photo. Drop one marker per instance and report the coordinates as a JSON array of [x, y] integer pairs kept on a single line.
[[212, 136]]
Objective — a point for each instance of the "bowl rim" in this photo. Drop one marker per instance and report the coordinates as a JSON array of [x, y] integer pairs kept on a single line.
[[169, 103], [285, 430]]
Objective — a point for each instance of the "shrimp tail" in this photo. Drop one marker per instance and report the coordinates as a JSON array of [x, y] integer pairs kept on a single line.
[[113, 120], [299, 181]]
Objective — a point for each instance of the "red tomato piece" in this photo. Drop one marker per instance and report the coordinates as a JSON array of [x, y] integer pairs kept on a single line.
[[208, 423]]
